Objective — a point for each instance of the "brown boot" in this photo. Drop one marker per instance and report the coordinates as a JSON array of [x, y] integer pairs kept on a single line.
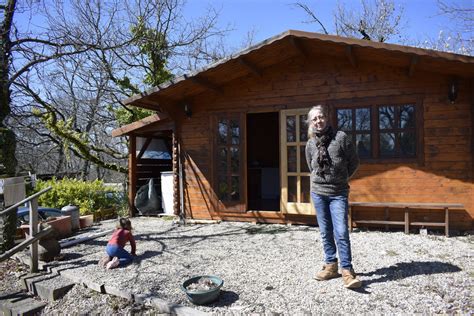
[[329, 272], [350, 279]]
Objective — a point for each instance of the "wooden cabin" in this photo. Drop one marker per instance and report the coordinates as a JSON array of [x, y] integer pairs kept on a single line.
[[237, 132]]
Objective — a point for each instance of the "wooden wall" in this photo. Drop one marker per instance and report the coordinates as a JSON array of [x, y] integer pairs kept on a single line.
[[446, 175]]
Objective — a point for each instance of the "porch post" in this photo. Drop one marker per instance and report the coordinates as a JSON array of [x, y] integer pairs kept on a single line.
[[176, 195], [132, 174]]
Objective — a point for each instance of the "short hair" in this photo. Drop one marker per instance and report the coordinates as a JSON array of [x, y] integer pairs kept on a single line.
[[312, 113]]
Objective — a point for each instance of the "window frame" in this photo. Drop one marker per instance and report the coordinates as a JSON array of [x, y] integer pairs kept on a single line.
[[374, 103]]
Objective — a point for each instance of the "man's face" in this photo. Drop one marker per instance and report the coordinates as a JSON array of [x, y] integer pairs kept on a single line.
[[319, 121]]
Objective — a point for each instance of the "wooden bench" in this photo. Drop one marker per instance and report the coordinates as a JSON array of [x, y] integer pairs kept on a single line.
[[407, 207]]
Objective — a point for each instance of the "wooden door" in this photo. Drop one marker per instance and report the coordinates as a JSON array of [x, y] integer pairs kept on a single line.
[[228, 131], [295, 183]]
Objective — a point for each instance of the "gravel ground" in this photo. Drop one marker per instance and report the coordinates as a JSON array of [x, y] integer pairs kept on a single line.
[[269, 269]]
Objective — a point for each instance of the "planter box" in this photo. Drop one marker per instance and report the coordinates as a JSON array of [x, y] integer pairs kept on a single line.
[[61, 225], [86, 221]]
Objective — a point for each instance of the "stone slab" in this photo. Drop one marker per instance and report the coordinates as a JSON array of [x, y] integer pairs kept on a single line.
[[48, 286], [110, 289], [20, 304]]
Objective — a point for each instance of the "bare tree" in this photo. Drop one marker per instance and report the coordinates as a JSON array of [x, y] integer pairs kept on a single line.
[[377, 20], [71, 100]]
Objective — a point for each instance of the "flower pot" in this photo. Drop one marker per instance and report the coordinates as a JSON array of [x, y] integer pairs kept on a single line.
[[62, 225], [86, 221]]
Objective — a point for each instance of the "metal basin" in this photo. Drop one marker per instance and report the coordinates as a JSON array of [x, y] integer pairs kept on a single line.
[[202, 297]]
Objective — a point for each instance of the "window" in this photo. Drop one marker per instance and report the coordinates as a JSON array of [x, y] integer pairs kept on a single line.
[[382, 130]]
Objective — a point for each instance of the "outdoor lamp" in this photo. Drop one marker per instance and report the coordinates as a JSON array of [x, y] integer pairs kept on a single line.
[[453, 91], [187, 110]]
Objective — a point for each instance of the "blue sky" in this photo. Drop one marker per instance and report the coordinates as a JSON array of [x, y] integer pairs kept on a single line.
[[271, 17]]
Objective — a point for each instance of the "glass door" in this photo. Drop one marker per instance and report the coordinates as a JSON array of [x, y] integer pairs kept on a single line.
[[295, 183], [228, 162]]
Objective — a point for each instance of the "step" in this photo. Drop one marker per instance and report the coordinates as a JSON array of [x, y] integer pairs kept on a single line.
[[49, 286], [20, 303]]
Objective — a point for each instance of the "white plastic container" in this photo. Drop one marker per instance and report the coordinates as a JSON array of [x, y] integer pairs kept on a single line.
[[167, 196]]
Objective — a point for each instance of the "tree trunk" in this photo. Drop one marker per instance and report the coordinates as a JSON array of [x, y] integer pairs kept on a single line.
[[7, 137]]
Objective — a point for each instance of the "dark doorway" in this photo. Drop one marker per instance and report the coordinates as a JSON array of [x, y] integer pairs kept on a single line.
[[263, 158]]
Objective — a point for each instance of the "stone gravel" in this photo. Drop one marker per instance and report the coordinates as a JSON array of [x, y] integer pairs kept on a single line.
[[268, 269]]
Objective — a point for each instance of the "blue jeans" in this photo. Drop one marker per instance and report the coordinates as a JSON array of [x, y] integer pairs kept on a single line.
[[116, 251], [332, 216]]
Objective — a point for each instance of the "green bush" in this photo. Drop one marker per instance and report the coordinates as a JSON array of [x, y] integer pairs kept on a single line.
[[89, 196]]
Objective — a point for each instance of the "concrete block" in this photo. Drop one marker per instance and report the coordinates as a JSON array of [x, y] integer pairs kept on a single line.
[[111, 289], [48, 286], [53, 289], [20, 304], [31, 307], [98, 287]]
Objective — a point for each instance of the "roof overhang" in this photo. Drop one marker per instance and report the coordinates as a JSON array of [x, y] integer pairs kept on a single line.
[[149, 126], [255, 59]]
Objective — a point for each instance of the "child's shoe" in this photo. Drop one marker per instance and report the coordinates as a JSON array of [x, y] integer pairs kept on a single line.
[[113, 263]]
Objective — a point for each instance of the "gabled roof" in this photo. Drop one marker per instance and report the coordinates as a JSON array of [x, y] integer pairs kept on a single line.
[[290, 43]]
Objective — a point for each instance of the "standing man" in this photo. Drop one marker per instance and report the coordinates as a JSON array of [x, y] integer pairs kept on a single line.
[[332, 160]]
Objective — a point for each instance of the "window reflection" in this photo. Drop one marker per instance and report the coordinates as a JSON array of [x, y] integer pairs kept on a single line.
[[407, 116], [234, 126], [408, 144], [344, 119], [303, 128], [305, 196], [292, 189], [222, 130], [386, 117], [291, 150], [363, 145], [234, 159], [363, 119], [291, 128], [235, 193], [387, 144]]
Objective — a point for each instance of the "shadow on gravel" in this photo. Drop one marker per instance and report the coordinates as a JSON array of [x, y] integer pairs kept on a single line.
[[404, 270], [225, 298], [148, 254]]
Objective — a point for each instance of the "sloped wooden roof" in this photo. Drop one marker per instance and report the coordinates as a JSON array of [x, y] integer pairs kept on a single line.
[[148, 126], [291, 43]]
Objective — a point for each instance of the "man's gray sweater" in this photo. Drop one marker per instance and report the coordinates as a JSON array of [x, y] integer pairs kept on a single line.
[[344, 163]]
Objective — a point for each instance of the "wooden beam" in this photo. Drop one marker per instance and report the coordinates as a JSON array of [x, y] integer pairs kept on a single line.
[[144, 147], [132, 174], [27, 242], [411, 68], [205, 83], [139, 124], [298, 46], [351, 56], [250, 66]]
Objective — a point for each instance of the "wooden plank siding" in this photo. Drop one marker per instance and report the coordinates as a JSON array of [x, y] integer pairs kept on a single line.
[[445, 175]]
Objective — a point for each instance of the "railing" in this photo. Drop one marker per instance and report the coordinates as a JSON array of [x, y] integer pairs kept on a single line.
[[34, 235]]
